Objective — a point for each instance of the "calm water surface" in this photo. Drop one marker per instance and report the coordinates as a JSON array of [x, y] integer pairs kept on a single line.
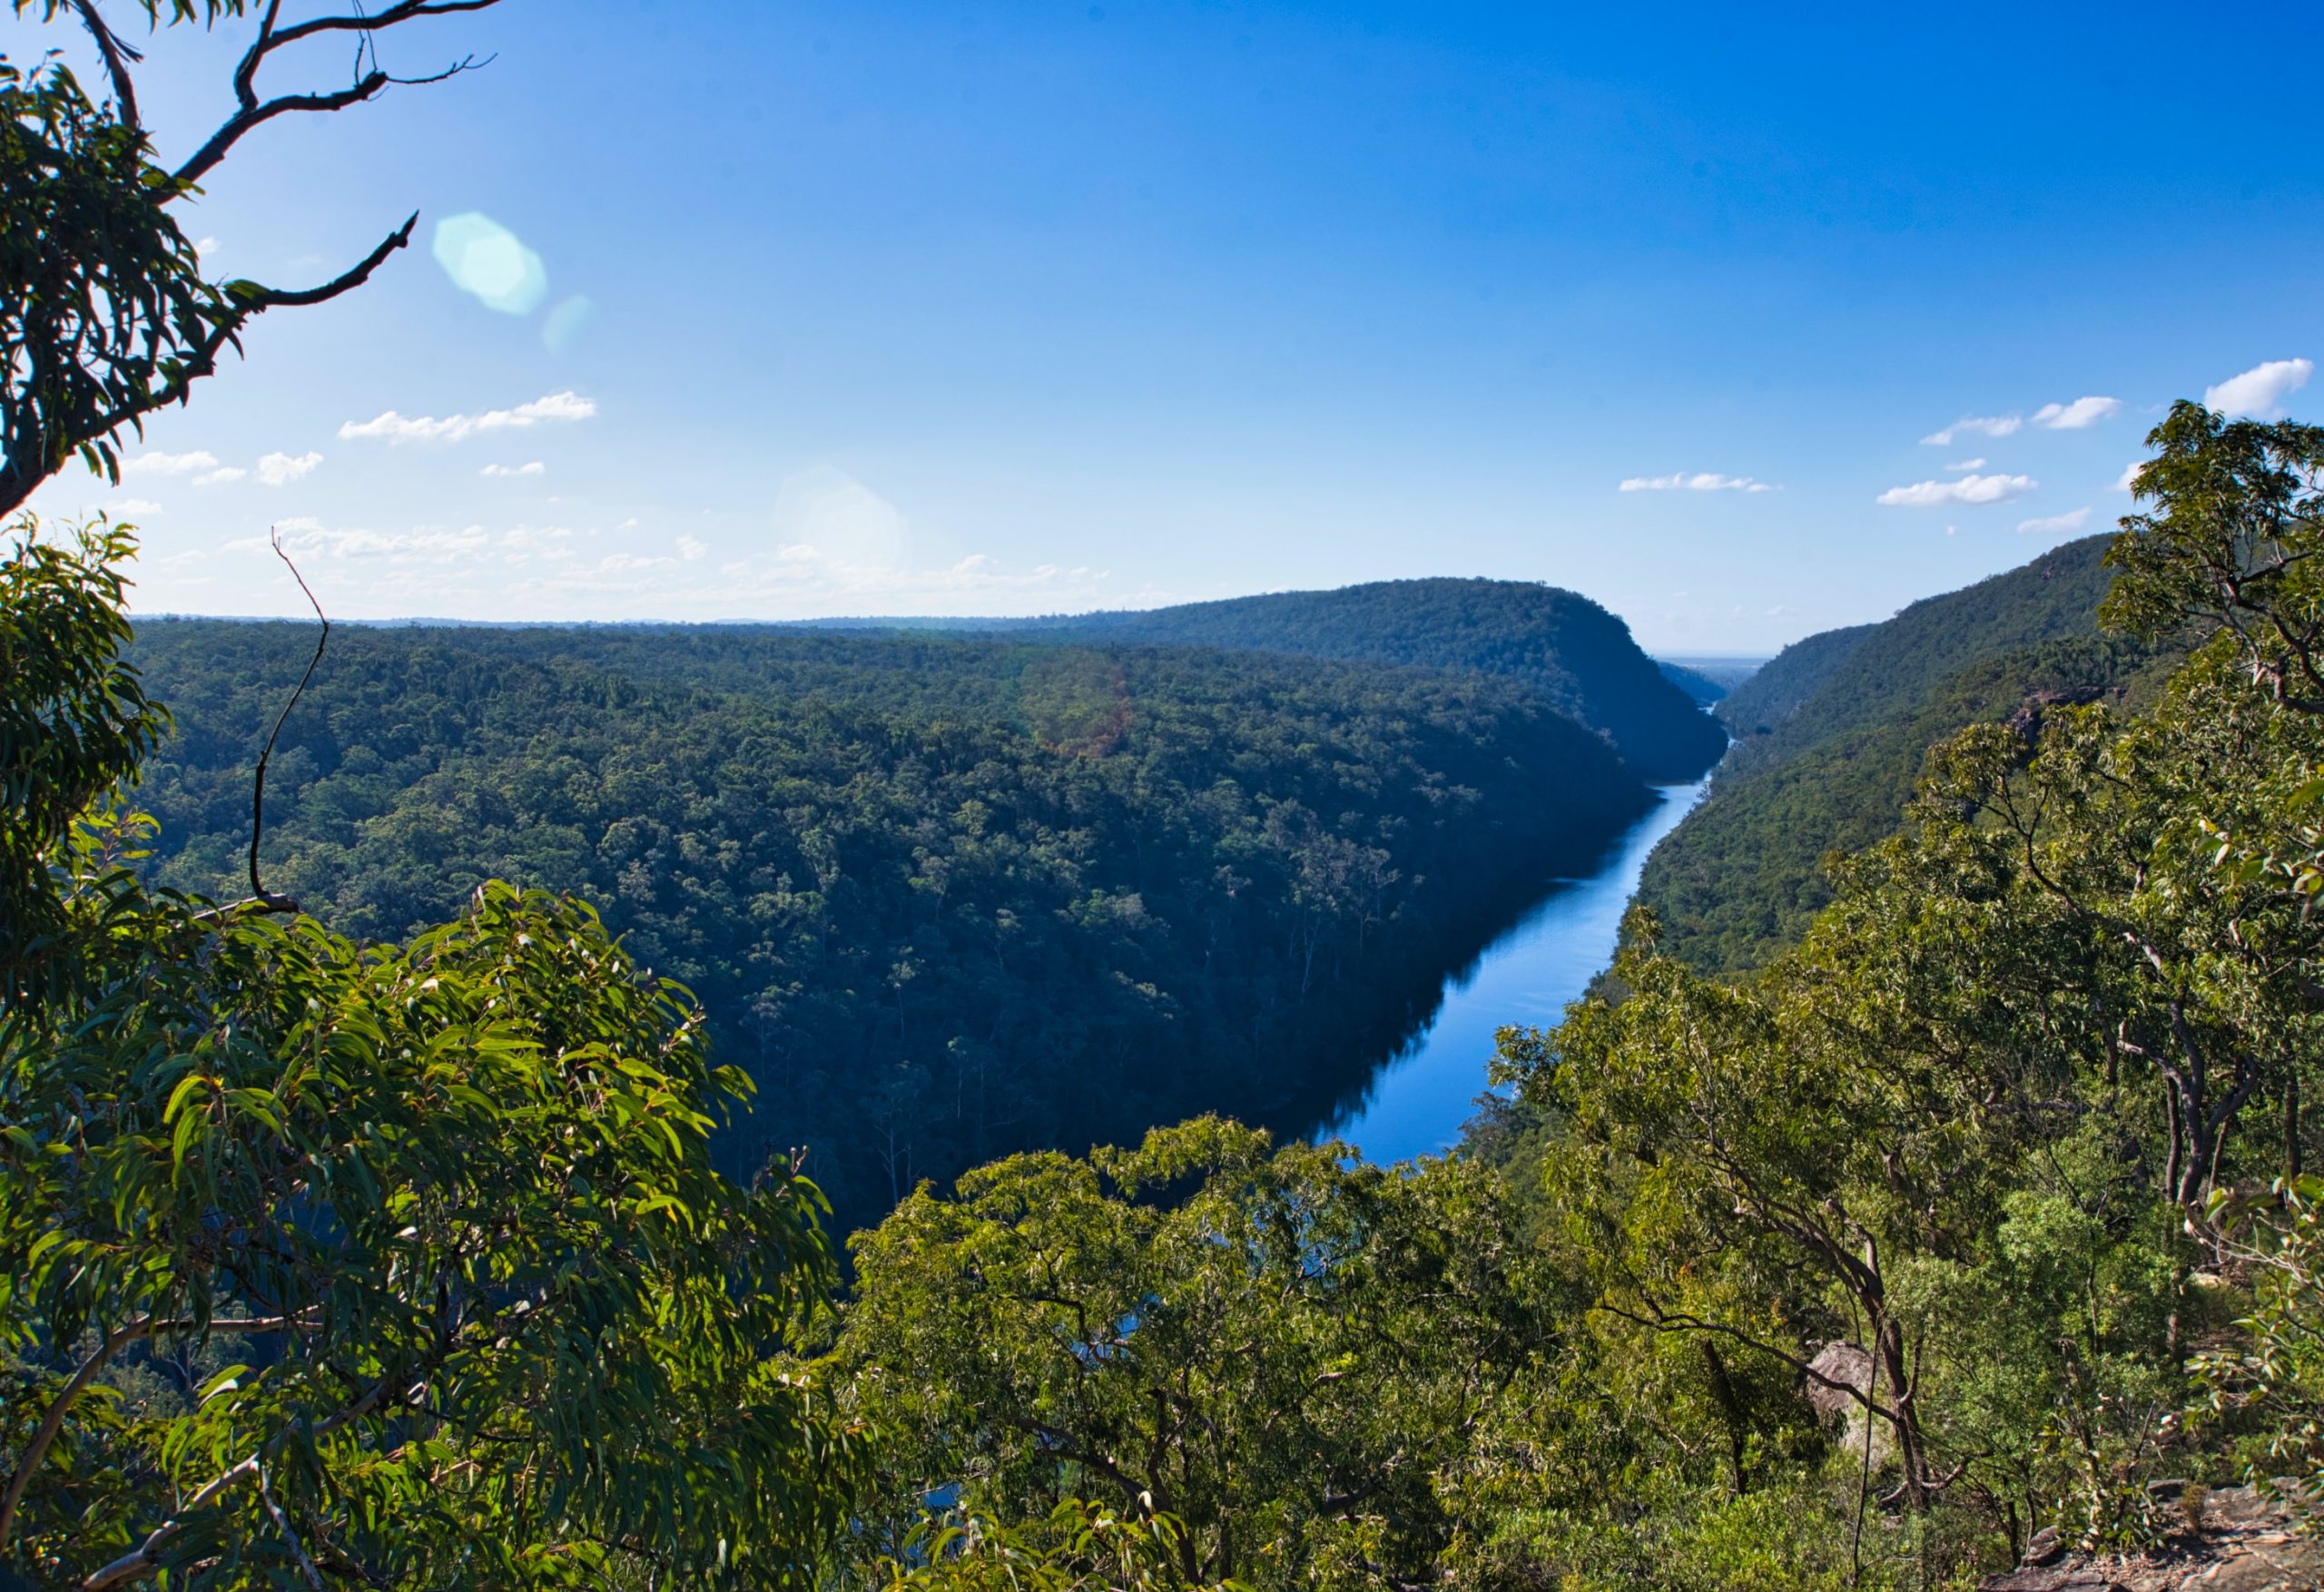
[[1419, 1100]]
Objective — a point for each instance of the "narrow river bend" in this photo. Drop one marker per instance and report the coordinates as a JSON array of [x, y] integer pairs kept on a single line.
[[1419, 1098]]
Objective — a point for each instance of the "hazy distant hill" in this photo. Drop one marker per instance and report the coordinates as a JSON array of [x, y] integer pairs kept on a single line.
[[1830, 737], [1577, 655], [1703, 688]]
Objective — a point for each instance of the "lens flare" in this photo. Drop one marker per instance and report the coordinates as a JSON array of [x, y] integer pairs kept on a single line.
[[487, 259], [562, 325]]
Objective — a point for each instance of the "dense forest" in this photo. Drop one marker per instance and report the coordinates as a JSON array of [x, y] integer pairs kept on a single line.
[[1975, 1224], [394, 1237], [1574, 652], [944, 898], [1830, 737]]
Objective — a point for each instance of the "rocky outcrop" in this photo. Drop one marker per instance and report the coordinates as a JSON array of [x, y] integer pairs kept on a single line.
[[2246, 1543]]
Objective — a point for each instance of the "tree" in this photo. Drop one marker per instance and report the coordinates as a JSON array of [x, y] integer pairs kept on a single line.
[[1274, 1348], [104, 314], [448, 1205], [2232, 544]]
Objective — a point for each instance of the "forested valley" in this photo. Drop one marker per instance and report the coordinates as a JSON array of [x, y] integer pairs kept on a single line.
[[1973, 1220], [436, 1161], [943, 899], [1576, 654]]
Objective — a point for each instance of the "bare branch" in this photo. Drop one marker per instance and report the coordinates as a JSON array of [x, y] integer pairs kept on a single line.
[[254, 113], [229, 133], [258, 784], [261, 298]]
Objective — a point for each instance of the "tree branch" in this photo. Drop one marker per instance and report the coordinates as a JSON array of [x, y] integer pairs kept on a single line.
[[44, 1435], [117, 57], [146, 1557], [258, 891], [254, 113]]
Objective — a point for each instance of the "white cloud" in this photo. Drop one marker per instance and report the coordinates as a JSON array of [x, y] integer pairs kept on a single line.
[[534, 468], [279, 469], [220, 476], [1699, 481], [206, 246], [2056, 525], [168, 463], [392, 426], [420, 545], [2077, 415], [1972, 426], [1968, 489], [2260, 392], [1968, 464], [629, 562], [128, 505], [2128, 481], [692, 550]]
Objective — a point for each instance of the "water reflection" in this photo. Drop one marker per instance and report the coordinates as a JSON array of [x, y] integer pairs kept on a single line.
[[1417, 1099]]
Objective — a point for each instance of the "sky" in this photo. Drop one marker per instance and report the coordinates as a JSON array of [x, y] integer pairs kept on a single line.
[[1747, 322]]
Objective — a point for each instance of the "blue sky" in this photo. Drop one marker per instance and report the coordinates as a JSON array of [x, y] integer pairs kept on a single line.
[[911, 308]]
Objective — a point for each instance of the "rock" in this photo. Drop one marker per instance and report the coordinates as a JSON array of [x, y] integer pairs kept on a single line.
[[1851, 1366], [2250, 1543]]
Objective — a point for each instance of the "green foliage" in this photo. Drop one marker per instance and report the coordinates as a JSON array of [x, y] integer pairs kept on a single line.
[[2277, 1372], [1831, 738], [1748, 870], [1079, 1547], [1982, 1126], [436, 1218], [104, 311], [74, 724], [1575, 652], [1273, 1346], [2232, 544], [943, 898]]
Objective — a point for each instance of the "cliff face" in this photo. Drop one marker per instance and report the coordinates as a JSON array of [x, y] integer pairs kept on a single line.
[[2244, 1543]]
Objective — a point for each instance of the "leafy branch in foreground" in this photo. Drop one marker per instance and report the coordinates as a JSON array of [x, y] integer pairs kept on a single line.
[[436, 1221], [104, 314]]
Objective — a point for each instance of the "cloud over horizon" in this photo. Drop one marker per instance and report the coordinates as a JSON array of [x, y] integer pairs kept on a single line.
[[1698, 481], [2079, 415], [2056, 525], [168, 464], [1966, 489], [1974, 426], [395, 427], [279, 469]]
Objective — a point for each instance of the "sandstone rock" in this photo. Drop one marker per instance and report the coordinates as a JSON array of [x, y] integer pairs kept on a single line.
[[2250, 1543]]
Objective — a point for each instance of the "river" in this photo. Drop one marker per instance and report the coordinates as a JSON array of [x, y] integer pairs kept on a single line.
[[1419, 1097]]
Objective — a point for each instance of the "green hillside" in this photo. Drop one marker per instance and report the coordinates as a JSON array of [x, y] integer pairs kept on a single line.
[[944, 897], [1577, 655], [1830, 737], [1843, 679]]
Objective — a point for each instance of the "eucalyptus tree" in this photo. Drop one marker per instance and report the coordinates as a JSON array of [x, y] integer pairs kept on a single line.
[[1278, 1351], [105, 314], [401, 1263]]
